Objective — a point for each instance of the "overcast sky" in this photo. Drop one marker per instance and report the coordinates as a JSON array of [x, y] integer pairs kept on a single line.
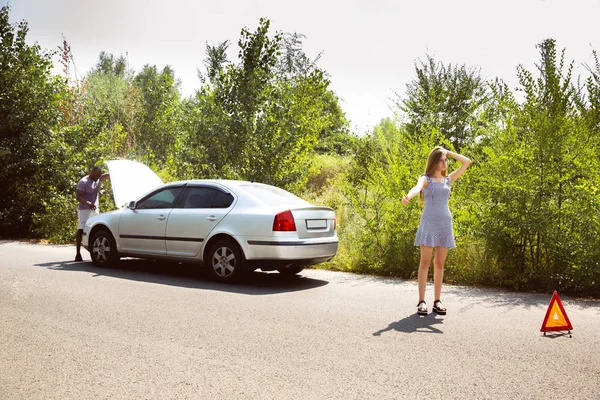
[[369, 46]]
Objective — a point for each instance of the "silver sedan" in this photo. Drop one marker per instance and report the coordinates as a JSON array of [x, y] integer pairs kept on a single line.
[[230, 226]]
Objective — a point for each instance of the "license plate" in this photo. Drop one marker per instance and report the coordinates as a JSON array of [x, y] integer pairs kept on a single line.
[[316, 223]]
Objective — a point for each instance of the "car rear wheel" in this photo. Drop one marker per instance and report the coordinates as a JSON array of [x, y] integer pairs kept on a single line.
[[225, 261], [103, 249], [290, 271]]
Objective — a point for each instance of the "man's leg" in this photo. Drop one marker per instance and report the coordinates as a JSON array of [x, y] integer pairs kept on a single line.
[[79, 236], [78, 242], [82, 216]]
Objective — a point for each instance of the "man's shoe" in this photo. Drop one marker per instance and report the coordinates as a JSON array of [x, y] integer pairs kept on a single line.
[[78, 257]]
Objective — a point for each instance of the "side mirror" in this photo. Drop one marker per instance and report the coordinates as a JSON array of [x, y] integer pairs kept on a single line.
[[131, 205]]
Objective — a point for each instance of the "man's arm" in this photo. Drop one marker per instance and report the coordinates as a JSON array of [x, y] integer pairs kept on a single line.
[[79, 194], [104, 176]]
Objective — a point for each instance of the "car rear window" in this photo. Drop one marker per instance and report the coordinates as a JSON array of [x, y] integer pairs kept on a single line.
[[271, 195]]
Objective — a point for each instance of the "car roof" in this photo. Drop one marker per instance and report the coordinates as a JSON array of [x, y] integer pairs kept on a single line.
[[236, 187], [226, 182]]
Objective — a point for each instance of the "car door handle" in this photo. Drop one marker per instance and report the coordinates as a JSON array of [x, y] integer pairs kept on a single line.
[[211, 218], [161, 217]]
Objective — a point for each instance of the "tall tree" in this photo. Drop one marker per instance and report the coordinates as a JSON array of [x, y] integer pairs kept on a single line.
[[214, 62], [538, 192], [109, 64], [27, 112], [448, 98], [111, 97], [159, 110], [254, 121], [293, 63]]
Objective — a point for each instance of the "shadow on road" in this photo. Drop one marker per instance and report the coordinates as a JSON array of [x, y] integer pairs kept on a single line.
[[497, 297], [190, 276], [554, 335], [414, 323]]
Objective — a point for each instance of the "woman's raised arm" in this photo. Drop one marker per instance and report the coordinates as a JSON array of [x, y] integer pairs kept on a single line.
[[464, 164]]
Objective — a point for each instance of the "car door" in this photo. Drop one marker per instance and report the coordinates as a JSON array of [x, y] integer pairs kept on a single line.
[[142, 229], [199, 211]]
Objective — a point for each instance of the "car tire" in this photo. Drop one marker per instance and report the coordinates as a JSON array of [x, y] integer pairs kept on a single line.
[[290, 271], [103, 249], [225, 261]]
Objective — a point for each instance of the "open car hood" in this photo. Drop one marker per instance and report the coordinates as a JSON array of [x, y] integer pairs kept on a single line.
[[130, 180]]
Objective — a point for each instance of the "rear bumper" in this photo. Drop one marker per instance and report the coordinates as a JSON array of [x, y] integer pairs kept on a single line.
[[271, 265], [309, 251]]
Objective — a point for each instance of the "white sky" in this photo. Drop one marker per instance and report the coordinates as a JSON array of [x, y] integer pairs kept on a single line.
[[369, 46]]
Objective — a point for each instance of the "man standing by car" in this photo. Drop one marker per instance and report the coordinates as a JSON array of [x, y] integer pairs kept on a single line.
[[87, 197]]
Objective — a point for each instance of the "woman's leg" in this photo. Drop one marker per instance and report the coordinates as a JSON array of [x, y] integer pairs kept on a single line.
[[438, 270], [424, 269]]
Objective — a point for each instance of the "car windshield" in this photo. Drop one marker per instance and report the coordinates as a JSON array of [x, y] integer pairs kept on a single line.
[[272, 195]]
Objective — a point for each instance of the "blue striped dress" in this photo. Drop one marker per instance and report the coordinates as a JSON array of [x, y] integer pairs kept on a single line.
[[435, 228]]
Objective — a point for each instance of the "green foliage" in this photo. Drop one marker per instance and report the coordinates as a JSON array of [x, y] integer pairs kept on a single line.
[[450, 99], [57, 221], [328, 174], [110, 65], [28, 110], [216, 58], [159, 113], [259, 119], [537, 191], [114, 100]]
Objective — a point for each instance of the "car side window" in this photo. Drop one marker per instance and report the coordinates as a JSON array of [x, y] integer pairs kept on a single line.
[[222, 200], [198, 197], [205, 197], [163, 199]]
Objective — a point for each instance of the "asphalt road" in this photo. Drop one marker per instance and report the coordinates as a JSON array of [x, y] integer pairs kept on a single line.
[[157, 331]]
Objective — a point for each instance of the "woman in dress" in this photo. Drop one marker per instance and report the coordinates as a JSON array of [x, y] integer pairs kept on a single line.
[[435, 228]]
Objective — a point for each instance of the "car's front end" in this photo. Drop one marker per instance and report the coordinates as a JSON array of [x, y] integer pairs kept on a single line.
[[108, 221]]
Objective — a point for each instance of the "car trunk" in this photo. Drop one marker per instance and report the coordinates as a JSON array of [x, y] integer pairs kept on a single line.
[[314, 222]]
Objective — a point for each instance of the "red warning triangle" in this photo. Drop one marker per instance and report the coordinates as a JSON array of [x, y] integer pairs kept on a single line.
[[556, 318]]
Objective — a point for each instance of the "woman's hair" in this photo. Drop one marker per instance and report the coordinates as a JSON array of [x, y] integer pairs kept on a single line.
[[433, 160]]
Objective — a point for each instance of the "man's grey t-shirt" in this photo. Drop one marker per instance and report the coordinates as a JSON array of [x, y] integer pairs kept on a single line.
[[90, 189]]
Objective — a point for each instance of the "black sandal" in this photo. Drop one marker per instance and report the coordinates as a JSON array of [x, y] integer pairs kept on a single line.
[[438, 308], [422, 308]]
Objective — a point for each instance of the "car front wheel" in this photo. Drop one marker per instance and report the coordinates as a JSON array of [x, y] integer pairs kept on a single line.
[[103, 249], [225, 261]]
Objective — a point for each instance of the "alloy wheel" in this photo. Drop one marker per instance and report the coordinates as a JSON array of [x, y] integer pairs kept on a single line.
[[101, 249], [224, 262]]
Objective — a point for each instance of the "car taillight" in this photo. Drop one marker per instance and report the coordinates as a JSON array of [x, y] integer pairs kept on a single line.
[[334, 223], [284, 222]]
